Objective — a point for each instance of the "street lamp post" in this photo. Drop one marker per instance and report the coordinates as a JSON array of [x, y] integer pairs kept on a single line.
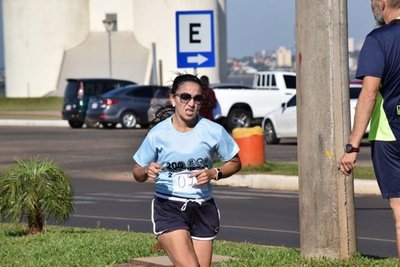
[[109, 25]]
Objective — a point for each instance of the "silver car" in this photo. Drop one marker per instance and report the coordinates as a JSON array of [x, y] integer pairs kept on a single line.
[[126, 105], [158, 101]]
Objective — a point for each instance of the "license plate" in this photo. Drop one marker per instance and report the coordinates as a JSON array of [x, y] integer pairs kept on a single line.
[[94, 105], [68, 107]]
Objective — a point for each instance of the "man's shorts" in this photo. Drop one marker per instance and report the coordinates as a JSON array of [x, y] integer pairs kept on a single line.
[[386, 161], [201, 219]]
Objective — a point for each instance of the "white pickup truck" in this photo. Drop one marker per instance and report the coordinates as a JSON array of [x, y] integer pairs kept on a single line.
[[242, 106]]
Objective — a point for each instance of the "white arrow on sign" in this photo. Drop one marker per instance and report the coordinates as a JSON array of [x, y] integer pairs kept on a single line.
[[199, 59]]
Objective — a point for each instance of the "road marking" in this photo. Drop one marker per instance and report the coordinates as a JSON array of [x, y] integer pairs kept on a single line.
[[260, 229], [110, 218], [83, 202], [297, 232], [95, 198], [377, 239], [253, 194]]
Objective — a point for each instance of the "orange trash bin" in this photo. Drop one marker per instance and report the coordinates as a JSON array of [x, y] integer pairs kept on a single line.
[[251, 144]]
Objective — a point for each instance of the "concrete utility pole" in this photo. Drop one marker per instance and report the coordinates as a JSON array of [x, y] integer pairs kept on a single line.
[[327, 223]]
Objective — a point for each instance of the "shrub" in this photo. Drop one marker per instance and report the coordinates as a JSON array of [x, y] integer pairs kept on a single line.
[[37, 190]]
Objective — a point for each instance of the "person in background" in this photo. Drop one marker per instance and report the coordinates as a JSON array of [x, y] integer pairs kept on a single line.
[[178, 154], [379, 69], [210, 101]]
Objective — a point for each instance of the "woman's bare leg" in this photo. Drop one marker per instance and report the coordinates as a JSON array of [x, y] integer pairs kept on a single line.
[[203, 249], [179, 248]]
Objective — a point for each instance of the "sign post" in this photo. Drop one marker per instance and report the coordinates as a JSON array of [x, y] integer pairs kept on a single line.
[[195, 39]]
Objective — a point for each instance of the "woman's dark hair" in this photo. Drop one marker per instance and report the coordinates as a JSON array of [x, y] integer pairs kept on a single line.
[[161, 114], [165, 112], [182, 78]]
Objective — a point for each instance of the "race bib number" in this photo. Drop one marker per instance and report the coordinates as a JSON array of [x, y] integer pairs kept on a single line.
[[182, 183]]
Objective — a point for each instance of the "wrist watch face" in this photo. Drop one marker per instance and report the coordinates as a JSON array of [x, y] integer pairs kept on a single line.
[[349, 149], [219, 174]]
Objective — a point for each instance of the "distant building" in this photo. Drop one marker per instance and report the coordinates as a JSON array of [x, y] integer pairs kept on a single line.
[[283, 57], [351, 44], [47, 41], [358, 45]]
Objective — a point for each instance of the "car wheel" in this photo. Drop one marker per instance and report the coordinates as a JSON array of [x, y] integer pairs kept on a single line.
[[239, 118], [92, 124], [108, 125], [128, 120], [269, 133], [75, 124]]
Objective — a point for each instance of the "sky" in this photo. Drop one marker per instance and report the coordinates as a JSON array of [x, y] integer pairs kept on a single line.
[[254, 25]]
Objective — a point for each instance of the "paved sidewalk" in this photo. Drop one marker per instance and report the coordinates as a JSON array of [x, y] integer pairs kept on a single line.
[[163, 261]]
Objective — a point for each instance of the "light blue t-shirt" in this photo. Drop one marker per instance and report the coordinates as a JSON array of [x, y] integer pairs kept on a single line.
[[184, 152]]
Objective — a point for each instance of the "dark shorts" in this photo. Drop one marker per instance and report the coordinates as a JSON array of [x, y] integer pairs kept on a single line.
[[386, 161], [200, 219]]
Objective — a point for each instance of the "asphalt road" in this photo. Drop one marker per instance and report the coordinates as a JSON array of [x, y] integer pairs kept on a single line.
[[99, 163]]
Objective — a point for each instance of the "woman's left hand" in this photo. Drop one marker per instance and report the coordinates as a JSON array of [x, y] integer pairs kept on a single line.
[[203, 176]]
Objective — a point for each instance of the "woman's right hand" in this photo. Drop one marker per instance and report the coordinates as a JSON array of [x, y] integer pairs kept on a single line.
[[153, 170]]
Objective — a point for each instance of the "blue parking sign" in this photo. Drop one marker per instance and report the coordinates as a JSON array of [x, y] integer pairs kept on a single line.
[[195, 39]]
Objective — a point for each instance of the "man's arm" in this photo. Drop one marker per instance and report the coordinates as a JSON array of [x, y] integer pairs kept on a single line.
[[365, 105]]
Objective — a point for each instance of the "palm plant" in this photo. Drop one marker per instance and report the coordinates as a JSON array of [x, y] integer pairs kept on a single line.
[[37, 190]]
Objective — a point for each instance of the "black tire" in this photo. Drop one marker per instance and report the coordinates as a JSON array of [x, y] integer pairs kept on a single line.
[[108, 125], [128, 120], [239, 118], [75, 124], [92, 124], [145, 125], [269, 133]]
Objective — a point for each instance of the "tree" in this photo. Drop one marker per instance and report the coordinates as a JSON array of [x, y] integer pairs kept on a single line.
[[37, 190]]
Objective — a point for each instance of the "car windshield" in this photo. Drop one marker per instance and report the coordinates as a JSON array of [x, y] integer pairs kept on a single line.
[[292, 102], [229, 86], [162, 92], [115, 92], [71, 90]]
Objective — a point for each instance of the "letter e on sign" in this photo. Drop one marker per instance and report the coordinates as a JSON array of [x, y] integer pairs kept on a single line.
[[195, 39]]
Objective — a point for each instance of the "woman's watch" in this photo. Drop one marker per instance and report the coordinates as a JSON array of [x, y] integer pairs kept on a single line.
[[218, 174]]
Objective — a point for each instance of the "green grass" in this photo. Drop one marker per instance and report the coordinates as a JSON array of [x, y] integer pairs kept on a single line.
[[31, 108], [31, 104], [62, 246]]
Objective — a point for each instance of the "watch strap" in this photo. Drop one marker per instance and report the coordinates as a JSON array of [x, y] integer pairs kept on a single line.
[[218, 174], [349, 148]]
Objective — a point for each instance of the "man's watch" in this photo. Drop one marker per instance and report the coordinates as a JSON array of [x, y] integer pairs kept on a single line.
[[218, 174], [349, 148]]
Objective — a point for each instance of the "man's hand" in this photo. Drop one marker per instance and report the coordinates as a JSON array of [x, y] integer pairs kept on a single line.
[[347, 163]]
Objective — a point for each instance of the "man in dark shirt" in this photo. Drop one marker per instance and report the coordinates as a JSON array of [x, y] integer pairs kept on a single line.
[[379, 69], [209, 99]]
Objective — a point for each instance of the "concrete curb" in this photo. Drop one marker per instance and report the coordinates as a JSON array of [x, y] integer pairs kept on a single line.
[[289, 183]]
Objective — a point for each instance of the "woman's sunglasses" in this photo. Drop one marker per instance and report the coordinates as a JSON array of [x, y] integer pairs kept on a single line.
[[185, 98]]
